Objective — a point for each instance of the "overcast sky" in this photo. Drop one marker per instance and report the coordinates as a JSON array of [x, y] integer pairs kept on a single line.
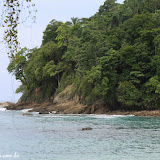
[[30, 36]]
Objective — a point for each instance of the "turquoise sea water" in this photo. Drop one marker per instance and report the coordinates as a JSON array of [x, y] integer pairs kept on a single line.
[[59, 137]]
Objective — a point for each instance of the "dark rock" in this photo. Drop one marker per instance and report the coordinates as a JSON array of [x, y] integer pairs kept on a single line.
[[43, 112], [86, 129], [12, 107], [27, 114]]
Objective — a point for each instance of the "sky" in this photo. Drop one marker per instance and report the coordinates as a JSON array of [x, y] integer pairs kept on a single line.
[[30, 34]]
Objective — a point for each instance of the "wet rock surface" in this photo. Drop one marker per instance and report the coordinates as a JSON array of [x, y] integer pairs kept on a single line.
[[87, 129]]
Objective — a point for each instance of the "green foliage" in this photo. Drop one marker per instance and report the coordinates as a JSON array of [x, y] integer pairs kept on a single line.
[[136, 76], [138, 23], [66, 80], [21, 89], [63, 35], [50, 33], [152, 93], [128, 93], [18, 65]]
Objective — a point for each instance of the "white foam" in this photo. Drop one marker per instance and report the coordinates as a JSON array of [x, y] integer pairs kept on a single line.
[[108, 116], [53, 112], [3, 109], [87, 115], [26, 110], [64, 115], [58, 116]]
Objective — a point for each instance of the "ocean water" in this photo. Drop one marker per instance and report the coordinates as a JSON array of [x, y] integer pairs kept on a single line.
[[59, 137]]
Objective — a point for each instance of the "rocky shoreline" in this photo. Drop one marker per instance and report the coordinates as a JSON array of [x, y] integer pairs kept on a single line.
[[63, 105], [72, 108]]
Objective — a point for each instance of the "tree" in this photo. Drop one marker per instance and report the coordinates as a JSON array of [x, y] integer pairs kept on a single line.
[[75, 20], [135, 25], [151, 99], [17, 66], [63, 34], [50, 32], [128, 94], [11, 12]]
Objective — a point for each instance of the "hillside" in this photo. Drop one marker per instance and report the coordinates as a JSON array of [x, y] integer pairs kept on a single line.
[[111, 59]]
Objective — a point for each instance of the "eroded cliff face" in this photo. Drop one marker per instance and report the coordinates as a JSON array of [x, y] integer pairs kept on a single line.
[[61, 104]]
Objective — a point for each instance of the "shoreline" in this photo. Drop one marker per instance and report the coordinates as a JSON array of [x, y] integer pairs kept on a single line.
[[73, 108], [63, 105]]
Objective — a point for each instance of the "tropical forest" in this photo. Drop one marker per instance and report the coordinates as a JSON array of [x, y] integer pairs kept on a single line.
[[112, 58]]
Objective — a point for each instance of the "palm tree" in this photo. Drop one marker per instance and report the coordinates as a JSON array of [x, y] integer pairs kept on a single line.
[[74, 20]]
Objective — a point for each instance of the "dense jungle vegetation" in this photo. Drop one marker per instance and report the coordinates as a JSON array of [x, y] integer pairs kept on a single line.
[[112, 57]]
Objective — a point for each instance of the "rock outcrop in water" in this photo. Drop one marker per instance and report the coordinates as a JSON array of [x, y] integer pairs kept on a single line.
[[87, 129]]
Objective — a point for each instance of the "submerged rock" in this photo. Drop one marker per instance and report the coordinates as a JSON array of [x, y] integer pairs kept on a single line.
[[86, 129], [27, 114], [43, 112]]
